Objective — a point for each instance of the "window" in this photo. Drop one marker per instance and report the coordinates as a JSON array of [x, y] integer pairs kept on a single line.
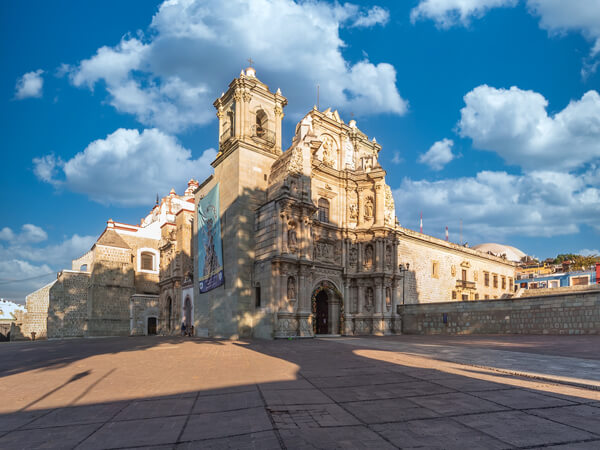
[[503, 282], [257, 296], [323, 210], [553, 283], [465, 297], [83, 268], [580, 281], [532, 286], [476, 296], [147, 261], [464, 274], [487, 297], [486, 279], [453, 295], [510, 283], [435, 269], [495, 281]]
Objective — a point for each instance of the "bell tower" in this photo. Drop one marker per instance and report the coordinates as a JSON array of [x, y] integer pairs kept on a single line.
[[249, 143], [250, 116]]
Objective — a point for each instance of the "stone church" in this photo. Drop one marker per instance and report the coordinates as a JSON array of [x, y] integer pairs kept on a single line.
[[310, 241], [301, 242]]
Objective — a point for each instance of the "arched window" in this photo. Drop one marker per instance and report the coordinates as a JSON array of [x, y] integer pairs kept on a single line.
[[261, 123], [323, 210], [83, 268]]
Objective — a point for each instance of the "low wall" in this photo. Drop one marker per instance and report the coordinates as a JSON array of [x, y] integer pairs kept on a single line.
[[567, 313]]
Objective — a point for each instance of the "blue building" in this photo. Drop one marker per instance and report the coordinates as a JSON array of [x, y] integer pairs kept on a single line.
[[554, 280]]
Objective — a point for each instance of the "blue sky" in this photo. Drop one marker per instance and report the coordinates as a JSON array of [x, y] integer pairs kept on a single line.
[[487, 114]]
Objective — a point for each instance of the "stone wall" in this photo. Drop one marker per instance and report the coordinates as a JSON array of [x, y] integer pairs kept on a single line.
[[424, 284], [67, 306], [141, 308], [569, 313], [558, 290], [35, 320]]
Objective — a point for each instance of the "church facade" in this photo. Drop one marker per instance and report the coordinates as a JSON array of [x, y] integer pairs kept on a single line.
[[310, 241]]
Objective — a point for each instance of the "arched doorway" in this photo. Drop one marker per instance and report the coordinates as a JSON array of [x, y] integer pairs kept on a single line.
[[151, 326], [327, 309], [322, 313], [187, 310]]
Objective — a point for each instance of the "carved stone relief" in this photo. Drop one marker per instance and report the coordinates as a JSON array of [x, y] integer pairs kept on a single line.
[[353, 256], [388, 257], [329, 151], [369, 299], [389, 213], [368, 262]]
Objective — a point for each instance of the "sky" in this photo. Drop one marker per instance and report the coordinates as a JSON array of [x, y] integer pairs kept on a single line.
[[488, 112]]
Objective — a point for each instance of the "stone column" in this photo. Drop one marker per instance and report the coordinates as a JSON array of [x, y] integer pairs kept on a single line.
[[359, 263], [378, 296], [284, 234], [379, 255], [237, 96], [304, 307], [379, 199], [360, 295]]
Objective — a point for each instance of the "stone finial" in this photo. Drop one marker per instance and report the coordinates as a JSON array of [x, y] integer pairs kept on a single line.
[[278, 91], [374, 141], [352, 123]]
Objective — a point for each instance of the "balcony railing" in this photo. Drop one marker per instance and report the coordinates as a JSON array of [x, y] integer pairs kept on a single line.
[[263, 136], [464, 284]]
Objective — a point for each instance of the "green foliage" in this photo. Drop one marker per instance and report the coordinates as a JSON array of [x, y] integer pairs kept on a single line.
[[578, 262]]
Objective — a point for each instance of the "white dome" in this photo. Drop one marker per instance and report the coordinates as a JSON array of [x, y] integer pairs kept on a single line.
[[512, 253]]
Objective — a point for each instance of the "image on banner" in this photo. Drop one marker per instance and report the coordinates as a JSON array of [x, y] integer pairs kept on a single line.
[[210, 250]]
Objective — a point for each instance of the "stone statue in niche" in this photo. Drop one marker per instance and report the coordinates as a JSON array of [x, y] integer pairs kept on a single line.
[[368, 256], [353, 256], [353, 212], [292, 239], [388, 298], [369, 301], [388, 257], [291, 288], [369, 208]]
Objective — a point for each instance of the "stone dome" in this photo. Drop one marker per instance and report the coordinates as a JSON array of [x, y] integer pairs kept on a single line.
[[512, 253]]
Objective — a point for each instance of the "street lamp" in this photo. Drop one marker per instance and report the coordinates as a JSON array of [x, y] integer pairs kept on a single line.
[[403, 269]]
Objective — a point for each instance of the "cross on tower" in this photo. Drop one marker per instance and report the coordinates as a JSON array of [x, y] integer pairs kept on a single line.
[[250, 61]]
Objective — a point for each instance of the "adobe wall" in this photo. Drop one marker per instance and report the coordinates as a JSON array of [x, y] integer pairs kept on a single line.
[[569, 313]]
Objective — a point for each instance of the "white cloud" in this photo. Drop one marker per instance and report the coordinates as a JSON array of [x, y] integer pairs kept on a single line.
[[588, 252], [30, 85], [438, 155], [447, 13], [556, 16], [194, 48], [30, 234], [126, 168], [29, 266], [515, 124], [397, 159], [496, 205], [560, 17]]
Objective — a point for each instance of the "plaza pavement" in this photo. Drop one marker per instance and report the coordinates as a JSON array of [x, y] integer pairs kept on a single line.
[[488, 392]]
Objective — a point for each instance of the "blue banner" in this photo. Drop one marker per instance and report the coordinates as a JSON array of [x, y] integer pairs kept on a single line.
[[210, 250]]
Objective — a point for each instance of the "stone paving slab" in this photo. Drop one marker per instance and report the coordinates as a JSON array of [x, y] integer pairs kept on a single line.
[[160, 430], [47, 438], [560, 369], [439, 433], [135, 393], [396, 390], [520, 429]]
